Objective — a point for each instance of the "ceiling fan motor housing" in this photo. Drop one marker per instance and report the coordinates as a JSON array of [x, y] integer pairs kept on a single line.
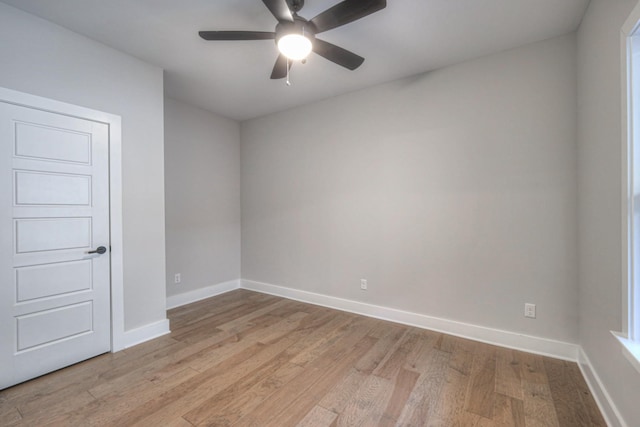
[[299, 26], [295, 5]]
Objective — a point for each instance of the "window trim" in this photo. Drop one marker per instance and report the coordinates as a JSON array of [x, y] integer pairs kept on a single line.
[[629, 337], [630, 349]]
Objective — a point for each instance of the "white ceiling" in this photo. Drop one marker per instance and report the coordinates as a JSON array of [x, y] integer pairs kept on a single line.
[[232, 78]]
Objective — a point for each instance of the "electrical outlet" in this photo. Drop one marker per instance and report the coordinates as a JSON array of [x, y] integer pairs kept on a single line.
[[363, 284], [177, 279], [530, 310]]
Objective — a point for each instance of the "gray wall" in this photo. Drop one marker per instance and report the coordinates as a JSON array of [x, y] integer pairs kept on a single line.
[[202, 183], [452, 192], [600, 178], [46, 60]]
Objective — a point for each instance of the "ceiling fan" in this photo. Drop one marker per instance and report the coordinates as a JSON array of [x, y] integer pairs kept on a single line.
[[296, 36]]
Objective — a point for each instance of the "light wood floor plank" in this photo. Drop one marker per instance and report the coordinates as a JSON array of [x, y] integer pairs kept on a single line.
[[397, 356], [380, 350], [232, 403], [248, 359], [211, 382], [405, 382], [589, 407], [10, 416], [508, 412], [297, 398], [508, 377], [108, 409], [336, 399], [482, 392], [565, 396], [318, 417], [450, 406], [423, 398], [366, 406], [539, 409]]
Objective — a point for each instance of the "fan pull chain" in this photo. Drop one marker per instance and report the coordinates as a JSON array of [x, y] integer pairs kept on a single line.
[[288, 82]]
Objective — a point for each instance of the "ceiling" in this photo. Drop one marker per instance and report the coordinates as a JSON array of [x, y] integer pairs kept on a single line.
[[232, 78]]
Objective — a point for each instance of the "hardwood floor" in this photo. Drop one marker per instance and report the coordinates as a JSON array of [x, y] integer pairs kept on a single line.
[[247, 359]]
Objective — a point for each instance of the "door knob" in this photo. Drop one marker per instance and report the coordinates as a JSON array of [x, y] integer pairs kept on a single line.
[[100, 250]]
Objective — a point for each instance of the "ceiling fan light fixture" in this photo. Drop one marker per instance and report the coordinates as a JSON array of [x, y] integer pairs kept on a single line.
[[295, 46]]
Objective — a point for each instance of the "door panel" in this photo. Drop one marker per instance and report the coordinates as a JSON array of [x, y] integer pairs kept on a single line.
[[54, 209], [51, 234], [42, 281], [37, 188], [49, 326], [49, 143]]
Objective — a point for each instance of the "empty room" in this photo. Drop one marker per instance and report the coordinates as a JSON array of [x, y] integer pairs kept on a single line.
[[320, 213]]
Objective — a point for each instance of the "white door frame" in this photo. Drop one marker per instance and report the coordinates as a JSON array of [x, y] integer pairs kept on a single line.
[[115, 192]]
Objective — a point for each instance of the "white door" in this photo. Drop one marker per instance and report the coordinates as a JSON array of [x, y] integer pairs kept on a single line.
[[54, 210]]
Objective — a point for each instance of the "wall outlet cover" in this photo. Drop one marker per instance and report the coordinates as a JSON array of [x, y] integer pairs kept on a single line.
[[530, 310]]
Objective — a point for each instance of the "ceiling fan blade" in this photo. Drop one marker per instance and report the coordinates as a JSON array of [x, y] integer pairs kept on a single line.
[[281, 67], [337, 54], [237, 35], [279, 9], [346, 12]]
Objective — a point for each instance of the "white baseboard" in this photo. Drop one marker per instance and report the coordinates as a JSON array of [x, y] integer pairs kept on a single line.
[[608, 409], [178, 300], [530, 344], [146, 333]]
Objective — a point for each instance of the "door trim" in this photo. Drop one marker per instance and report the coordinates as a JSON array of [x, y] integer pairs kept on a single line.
[[114, 123]]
